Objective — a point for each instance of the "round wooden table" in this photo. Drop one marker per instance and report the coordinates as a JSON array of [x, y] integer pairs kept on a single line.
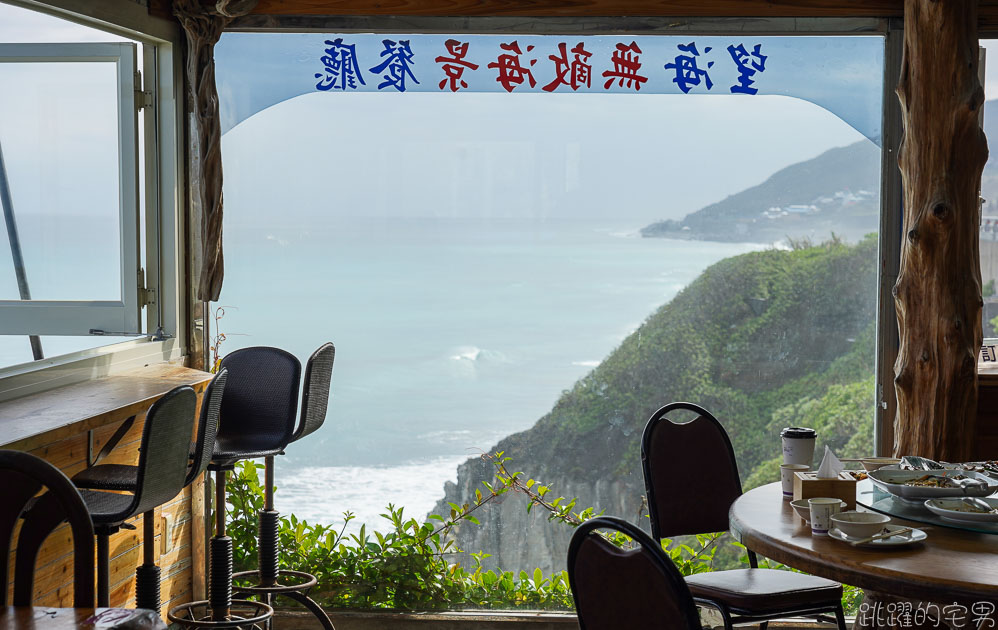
[[950, 566]]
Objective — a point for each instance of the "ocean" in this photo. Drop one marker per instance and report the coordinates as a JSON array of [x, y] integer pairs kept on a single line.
[[450, 334]]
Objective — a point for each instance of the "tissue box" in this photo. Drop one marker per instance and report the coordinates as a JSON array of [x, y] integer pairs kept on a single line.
[[807, 486]]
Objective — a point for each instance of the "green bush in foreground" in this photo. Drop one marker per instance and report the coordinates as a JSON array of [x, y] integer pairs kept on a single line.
[[409, 566]]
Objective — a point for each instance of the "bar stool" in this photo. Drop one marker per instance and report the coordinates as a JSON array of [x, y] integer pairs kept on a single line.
[[258, 420], [159, 478], [125, 478]]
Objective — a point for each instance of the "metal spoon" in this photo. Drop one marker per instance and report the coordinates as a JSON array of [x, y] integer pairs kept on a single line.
[[978, 503]]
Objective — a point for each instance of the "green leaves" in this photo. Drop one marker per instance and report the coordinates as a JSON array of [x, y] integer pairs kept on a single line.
[[407, 565]]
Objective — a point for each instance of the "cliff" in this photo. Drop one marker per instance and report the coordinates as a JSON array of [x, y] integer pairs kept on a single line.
[[759, 339], [837, 191]]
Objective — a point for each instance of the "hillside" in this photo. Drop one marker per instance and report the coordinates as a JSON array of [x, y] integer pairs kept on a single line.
[[763, 339], [838, 191]]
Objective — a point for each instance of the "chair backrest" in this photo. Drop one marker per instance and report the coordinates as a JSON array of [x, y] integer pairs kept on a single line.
[[315, 391], [260, 405], [163, 454], [690, 472], [615, 588], [22, 476], [211, 406]]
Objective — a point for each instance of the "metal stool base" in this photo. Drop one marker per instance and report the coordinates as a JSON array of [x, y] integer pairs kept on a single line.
[[291, 591], [257, 613]]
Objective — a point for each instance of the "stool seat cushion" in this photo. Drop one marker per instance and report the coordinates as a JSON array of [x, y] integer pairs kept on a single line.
[[228, 451], [107, 508], [108, 477], [764, 590]]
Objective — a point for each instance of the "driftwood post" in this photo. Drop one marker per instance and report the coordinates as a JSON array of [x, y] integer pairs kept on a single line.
[[938, 290]]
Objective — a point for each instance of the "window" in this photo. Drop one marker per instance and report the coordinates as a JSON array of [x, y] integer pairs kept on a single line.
[[509, 267], [88, 161], [989, 195], [70, 188]]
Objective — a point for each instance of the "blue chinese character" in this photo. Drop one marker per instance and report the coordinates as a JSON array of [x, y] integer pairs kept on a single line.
[[397, 59], [341, 69], [687, 72], [746, 67]]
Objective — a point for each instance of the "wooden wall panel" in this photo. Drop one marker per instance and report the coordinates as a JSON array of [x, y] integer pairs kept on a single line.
[[54, 571]]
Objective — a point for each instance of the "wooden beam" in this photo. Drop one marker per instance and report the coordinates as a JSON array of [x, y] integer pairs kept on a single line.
[[540, 8], [938, 290]]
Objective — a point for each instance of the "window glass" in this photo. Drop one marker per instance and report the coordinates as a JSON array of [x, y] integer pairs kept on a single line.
[[504, 267], [61, 158], [989, 195], [59, 140]]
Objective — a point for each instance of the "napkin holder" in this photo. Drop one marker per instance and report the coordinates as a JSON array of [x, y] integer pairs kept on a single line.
[[807, 485]]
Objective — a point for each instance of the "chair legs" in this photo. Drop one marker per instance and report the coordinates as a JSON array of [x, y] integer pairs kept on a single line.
[[268, 572], [147, 575], [220, 606], [103, 570]]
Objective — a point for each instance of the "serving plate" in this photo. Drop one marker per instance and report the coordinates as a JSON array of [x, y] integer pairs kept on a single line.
[[893, 481], [948, 509], [912, 537]]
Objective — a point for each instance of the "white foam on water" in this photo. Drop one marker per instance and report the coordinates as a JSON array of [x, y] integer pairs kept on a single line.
[[320, 494], [586, 363]]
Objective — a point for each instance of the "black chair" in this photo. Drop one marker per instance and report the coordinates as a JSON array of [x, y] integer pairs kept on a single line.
[[125, 478], [23, 475], [160, 476], [258, 420], [614, 588], [669, 452]]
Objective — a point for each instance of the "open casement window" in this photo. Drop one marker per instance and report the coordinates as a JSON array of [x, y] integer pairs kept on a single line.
[[69, 189]]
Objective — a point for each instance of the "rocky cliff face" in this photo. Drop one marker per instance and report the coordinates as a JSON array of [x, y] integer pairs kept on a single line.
[[521, 540], [753, 335]]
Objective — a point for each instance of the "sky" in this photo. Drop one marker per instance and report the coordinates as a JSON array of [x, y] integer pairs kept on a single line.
[[640, 158]]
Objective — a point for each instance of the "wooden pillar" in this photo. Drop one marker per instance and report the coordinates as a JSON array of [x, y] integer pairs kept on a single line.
[[938, 290]]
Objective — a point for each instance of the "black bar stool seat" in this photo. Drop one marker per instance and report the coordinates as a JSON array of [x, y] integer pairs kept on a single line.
[[119, 477]]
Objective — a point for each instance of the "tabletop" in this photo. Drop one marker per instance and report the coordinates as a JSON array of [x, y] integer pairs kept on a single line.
[[30, 421], [39, 617], [951, 565]]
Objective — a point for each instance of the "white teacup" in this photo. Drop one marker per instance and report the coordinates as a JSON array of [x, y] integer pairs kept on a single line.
[[822, 509], [787, 477]]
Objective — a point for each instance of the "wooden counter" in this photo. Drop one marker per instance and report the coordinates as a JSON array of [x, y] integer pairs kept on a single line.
[[65, 426]]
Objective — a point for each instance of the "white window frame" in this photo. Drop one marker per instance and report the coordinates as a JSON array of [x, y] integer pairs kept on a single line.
[[56, 317]]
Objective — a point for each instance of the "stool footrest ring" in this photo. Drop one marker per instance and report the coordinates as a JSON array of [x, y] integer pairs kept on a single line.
[[305, 582], [184, 615]]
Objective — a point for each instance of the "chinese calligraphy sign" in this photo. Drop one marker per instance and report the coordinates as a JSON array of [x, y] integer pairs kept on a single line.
[[489, 63]]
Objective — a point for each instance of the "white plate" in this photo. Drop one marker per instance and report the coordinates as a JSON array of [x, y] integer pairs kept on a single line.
[[892, 481], [912, 537], [946, 508]]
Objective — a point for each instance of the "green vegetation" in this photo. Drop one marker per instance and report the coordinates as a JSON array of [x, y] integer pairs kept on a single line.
[[764, 340], [412, 565]]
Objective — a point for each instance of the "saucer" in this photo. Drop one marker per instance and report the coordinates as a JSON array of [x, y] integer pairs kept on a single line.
[[912, 537]]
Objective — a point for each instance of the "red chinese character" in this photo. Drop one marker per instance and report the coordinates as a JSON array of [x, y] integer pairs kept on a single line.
[[511, 73], [576, 73], [625, 67], [455, 65]]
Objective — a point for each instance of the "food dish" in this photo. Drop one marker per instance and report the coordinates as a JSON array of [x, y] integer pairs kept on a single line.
[[914, 536], [957, 510], [898, 483]]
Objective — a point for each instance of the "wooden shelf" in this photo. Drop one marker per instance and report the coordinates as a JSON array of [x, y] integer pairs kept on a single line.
[[30, 421]]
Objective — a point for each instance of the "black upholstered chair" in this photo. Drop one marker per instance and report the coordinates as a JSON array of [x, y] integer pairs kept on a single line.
[[125, 478], [616, 588], [669, 451], [23, 475], [159, 477], [259, 418]]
